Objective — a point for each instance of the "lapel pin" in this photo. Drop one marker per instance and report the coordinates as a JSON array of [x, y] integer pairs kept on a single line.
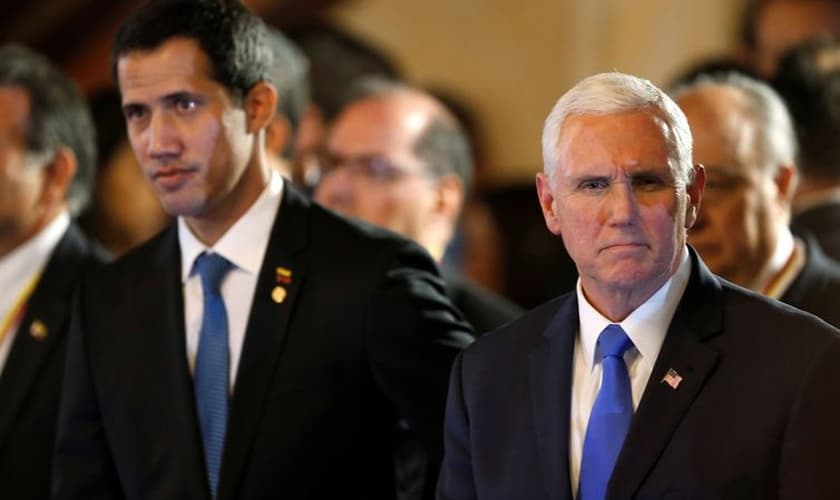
[[38, 330], [284, 275], [278, 295], [672, 378]]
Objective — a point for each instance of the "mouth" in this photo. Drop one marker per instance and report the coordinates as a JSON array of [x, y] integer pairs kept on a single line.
[[170, 178]]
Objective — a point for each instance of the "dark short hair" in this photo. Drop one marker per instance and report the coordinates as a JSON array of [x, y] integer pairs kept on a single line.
[[58, 115], [442, 145], [809, 81], [233, 38]]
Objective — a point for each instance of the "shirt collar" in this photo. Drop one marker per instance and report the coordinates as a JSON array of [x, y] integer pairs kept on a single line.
[[30, 257], [244, 244], [646, 326]]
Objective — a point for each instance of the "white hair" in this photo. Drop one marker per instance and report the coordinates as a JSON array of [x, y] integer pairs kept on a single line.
[[775, 141], [614, 92]]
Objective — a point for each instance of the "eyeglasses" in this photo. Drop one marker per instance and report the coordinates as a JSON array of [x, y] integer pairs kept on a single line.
[[371, 167]]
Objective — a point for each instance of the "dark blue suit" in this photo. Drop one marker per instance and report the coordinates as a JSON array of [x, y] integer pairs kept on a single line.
[[755, 415]]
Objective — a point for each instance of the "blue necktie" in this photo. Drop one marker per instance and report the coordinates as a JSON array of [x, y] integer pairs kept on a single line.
[[610, 417], [212, 365]]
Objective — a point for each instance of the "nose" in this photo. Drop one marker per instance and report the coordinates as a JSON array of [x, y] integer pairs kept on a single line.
[[622, 204], [162, 137]]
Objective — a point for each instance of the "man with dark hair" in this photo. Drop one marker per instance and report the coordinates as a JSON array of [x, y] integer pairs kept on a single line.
[[46, 161], [260, 346], [809, 81], [770, 28]]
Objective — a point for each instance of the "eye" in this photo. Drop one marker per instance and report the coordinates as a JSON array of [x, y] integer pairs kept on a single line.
[[593, 185], [134, 113], [185, 104], [649, 182]]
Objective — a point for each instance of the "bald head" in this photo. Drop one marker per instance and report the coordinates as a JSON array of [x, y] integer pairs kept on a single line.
[[397, 158]]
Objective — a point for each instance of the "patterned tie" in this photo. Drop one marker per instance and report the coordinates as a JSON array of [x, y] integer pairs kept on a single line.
[[610, 417], [212, 365]]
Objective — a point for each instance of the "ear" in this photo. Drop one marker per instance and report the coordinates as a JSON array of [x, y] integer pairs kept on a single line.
[[786, 181], [260, 104], [278, 134], [59, 173], [695, 193], [450, 197], [547, 199]]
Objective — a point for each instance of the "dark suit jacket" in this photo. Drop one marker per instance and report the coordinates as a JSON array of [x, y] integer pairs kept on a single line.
[[30, 384], [483, 310], [755, 415], [823, 221], [817, 287], [364, 334]]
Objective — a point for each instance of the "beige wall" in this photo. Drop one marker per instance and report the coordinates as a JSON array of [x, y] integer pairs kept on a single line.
[[511, 59]]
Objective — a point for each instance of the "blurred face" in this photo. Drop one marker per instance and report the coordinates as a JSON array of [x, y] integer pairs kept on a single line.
[[22, 174], [784, 24], [739, 223], [617, 205], [191, 138], [371, 171]]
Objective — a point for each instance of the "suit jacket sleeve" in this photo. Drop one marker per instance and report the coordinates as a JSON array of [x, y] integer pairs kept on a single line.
[[456, 476], [809, 463], [413, 335], [83, 467]]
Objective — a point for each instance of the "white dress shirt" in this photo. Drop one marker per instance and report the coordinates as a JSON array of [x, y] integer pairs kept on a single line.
[[17, 270], [244, 246], [646, 327]]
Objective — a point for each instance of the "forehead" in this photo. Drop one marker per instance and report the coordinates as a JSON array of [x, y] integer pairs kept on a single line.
[[597, 143], [380, 125], [723, 134], [14, 109], [175, 65]]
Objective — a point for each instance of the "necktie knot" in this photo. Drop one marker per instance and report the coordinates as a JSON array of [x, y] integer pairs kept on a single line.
[[613, 342], [212, 268]]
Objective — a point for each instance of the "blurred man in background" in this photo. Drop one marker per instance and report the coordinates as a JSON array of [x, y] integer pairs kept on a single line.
[[47, 152], [744, 137]]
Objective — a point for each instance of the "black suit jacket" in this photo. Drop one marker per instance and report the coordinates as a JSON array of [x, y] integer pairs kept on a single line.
[[364, 334], [483, 310], [817, 287], [30, 384], [823, 221], [755, 415]]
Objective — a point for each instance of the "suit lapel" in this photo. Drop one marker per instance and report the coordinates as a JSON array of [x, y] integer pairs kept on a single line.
[[164, 334], [698, 316], [281, 277], [43, 326], [551, 389]]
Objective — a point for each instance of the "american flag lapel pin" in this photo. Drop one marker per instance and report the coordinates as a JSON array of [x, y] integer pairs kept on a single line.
[[672, 378]]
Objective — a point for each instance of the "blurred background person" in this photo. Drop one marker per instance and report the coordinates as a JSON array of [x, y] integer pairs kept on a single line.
[[47, 154], [770, 28], [809, 81], [396, 157], [744, 137], [290, 77]]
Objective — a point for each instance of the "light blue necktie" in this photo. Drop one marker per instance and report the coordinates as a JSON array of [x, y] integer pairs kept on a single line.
[[610, 417], [212, 365]]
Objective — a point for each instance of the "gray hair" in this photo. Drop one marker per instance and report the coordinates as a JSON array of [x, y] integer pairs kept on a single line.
[[290, 76], [614, 92], [775, 141], [58, 116]]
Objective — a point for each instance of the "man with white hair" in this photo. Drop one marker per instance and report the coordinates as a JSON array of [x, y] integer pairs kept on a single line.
[[744, 137], [654, 378]]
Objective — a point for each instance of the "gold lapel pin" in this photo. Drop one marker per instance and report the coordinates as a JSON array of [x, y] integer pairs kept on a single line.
[[38, 330], [278, 295]]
